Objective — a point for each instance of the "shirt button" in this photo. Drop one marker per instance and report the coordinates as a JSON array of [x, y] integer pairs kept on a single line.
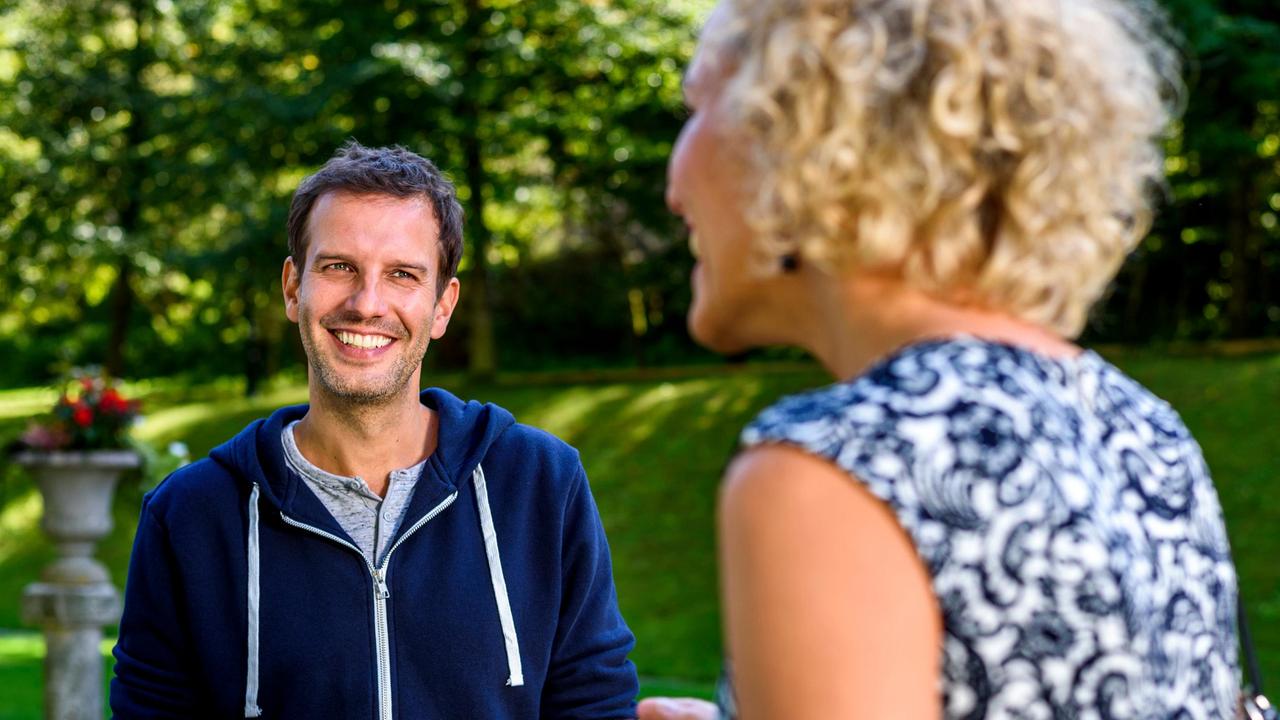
[[353, 485]]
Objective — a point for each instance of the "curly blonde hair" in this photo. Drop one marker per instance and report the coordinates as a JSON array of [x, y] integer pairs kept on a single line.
[[1004, 153]]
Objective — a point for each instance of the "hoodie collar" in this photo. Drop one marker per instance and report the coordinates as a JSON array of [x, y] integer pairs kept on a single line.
[[467, 429]]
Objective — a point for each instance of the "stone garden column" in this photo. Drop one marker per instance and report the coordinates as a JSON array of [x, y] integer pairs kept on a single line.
[[74, 598]]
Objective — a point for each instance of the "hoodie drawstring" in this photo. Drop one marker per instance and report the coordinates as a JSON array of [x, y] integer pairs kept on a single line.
[[516, 677], [251, 709], [253, 601]]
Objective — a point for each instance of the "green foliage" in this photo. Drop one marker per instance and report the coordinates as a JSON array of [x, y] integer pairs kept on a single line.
[[1210, 267], [149, 151]]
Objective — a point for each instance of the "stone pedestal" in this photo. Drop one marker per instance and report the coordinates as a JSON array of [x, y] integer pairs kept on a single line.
[[72, 617], [74, 598]]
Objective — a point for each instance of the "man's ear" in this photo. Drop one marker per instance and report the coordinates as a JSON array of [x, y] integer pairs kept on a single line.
[[289, 280], [444, 308]]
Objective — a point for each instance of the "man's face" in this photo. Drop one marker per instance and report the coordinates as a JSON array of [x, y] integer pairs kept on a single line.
[[365, 298]]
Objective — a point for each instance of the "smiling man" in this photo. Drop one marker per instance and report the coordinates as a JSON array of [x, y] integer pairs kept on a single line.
[[382, 552]]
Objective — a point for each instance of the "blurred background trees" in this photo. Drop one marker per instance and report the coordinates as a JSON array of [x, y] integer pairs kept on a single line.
[[149, 148]]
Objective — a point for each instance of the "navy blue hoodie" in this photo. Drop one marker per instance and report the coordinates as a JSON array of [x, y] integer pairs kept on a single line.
[[245, 598]]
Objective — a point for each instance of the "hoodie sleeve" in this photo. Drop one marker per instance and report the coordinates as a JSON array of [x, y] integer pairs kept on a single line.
[[590, 677], [152, 675]]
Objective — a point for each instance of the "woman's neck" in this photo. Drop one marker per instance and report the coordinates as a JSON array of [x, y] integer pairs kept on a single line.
[[863, 318]]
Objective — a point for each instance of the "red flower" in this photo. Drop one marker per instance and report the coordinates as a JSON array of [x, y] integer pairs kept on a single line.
[[111, 402], [82, 415], [90, 413]]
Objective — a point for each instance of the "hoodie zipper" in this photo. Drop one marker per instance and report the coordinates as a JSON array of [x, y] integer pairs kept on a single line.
[[381, 593]]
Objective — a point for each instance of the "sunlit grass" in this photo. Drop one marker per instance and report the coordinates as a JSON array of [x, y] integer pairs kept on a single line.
[[19, 519], [25, 402], [170, 422]]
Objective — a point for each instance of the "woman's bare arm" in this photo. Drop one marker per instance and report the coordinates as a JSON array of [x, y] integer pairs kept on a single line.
[[829, 611]]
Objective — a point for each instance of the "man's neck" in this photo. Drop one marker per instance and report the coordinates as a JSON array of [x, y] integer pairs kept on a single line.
[[366, 441]]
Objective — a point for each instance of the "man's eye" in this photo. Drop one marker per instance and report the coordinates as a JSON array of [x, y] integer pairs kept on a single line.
[[403, 274], [337, 266]]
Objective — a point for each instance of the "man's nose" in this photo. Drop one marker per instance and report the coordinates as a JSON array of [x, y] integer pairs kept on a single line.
[[367, 299]]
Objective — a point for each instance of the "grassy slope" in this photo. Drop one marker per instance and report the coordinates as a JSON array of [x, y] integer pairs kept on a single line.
[[654, 450]]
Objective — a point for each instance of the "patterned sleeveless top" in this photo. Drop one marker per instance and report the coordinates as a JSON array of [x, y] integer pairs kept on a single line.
[[1066, 516]]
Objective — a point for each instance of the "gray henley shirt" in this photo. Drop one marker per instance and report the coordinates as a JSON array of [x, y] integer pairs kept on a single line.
[[371, 521]]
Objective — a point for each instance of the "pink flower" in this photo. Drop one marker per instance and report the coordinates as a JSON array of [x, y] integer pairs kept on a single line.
[[43, 437]]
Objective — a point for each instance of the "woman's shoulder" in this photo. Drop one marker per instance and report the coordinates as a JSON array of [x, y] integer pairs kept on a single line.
[[915, 391]]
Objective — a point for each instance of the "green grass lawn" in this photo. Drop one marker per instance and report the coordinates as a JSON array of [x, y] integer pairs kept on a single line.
[[654, 450]]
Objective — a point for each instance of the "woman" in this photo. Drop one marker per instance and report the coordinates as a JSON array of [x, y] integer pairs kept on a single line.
[[981, 520]]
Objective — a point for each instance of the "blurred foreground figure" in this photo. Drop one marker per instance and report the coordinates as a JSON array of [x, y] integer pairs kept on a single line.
[[981, 519], [382, 552]]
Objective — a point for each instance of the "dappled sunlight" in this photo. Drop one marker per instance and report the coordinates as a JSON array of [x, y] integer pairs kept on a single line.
[[702, 404], [20, 647], [562, 412], [27, 646], [19, 523], [170, 422], [25, 402]]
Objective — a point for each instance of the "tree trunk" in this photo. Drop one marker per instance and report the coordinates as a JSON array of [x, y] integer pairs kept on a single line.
[[482, 362], [122, 295], [1238, 242], [122, 301], [255, 350], [1134, 305]]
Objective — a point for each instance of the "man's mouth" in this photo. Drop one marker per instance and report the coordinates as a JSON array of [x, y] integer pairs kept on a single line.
[[362, 341]]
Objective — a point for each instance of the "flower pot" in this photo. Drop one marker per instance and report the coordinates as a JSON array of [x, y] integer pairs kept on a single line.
[[77, 487]]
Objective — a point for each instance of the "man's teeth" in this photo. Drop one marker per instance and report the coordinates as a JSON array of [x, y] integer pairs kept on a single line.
[[363, 341]]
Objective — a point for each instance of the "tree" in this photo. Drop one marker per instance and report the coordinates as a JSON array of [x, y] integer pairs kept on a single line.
[[1208, 268], [152, 148]]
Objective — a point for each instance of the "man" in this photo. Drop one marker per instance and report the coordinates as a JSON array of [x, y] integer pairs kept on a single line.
[[380, 552]]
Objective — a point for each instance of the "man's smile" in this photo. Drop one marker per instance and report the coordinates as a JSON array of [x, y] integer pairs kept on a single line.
[[362, 341]]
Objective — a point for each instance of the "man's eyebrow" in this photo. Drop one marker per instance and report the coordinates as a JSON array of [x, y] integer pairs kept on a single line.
[[331, 258]]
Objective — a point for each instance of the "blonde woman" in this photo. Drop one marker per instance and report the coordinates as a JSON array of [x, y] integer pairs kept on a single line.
[[980, 519]]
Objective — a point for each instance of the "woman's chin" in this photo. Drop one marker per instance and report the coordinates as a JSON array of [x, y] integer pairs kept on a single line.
[[716, 331]]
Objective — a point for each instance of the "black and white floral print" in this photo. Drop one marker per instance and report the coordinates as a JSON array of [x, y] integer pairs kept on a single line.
[[1066, 516]]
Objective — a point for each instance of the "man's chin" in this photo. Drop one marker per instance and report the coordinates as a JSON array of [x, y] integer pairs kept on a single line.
[[350, 391]]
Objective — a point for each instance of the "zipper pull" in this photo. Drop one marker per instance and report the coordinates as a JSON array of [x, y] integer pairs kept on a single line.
[[381, 590]]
